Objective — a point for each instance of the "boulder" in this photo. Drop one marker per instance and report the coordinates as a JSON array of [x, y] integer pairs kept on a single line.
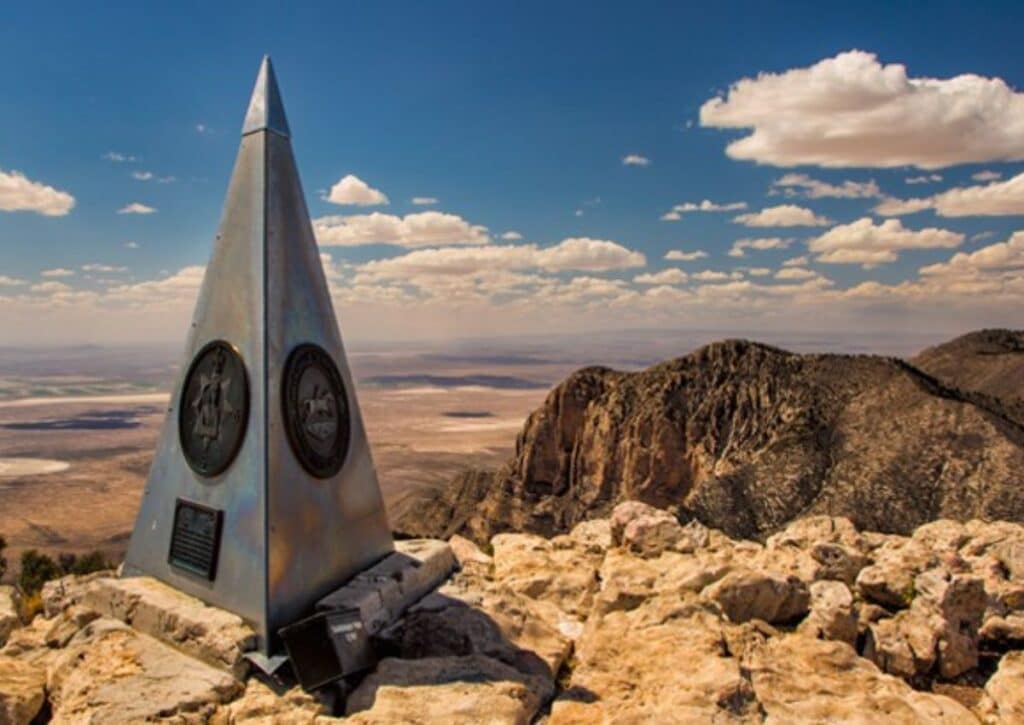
[[110, 673], [457, 690], [539, 569], [260, 704], [800, 680], [1006, 688], [645, 530], [746, 594], [9, 618], [832, 613], [470, 557], [805, 532], [22, 690], [889, 581], [212, 635]]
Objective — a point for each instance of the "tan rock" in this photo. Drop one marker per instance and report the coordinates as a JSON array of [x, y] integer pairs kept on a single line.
[[214, 636], [746, 594], [647, 531], [633, 667], [60, 593], [810, 530], [1006, 688], [110, 673], [889, 581], [987, 535], [28, 643], [67, 624], [942, 534], [1003, 630], [457, 690], [22, 690], [802, 680], [9, 618], [259, 705], [470, 557], [832, 615], [534, 567], [594, 535], [906, 644]]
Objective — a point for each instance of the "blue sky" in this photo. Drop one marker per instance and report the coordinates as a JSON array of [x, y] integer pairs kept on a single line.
[[518, 119]]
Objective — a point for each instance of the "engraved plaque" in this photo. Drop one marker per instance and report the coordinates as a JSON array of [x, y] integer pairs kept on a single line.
[[195, 539], [316, 411], [214, 409]]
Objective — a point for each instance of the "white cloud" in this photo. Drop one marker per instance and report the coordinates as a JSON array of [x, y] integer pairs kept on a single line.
[[756, 271], [710, 275], [676, 213], [665, 276], [865, 243], [102, 268], [578, 212], [986, 176], [49, 287], [802, 184], [636, 160], [851, 110], [801, 261], [784, 215], [1003, 257], [999, 198], [18, 193], [762, 243], [142, 175], [678, 255], [12, 281], [131, 245], [353, 191], [422, 200], [925, 179], [422, 229], [57, 272], [202, 128], [136, 208], [795, 273], [118, 158], [511, 236]]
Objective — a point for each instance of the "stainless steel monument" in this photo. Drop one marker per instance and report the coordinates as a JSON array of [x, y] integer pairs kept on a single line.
[[263, 496]]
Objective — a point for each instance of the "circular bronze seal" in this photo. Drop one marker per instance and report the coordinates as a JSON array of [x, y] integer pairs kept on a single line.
[[214, 409], [316, 413]]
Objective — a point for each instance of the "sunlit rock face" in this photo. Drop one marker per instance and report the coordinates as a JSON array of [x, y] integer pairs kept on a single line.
[[745, 438]]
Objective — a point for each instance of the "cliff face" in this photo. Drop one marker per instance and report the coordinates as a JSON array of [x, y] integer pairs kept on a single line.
[[990, 362], [746, 437]]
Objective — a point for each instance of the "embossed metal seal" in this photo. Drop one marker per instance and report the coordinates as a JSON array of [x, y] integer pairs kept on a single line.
[[214, 409], [316, 410]]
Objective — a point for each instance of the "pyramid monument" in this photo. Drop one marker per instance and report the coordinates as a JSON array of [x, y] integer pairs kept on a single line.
[[262, 497]]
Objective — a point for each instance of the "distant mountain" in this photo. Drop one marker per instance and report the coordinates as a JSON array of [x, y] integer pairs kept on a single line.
[[987, 361], [745, 438]]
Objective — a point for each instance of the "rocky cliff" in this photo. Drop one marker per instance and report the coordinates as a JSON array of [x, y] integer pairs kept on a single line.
[[634, 618], [990, 362], [745, 438]]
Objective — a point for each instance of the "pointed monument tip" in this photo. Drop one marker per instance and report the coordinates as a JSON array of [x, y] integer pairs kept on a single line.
[[266, 111]]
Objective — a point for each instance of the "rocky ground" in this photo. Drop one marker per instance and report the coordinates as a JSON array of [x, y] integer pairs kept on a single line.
[[630, 619]]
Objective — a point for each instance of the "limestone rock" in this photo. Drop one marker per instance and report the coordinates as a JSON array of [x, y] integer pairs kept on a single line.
[[746, 594], [212, 635], [1006, 688], [647, 531], [112, 674], [22, 690], [889, 581], [832, 615], [469, 556], [534, 567], [805, 532], [72, 589], [797, 679], [9, 618], [457, 690], [594, 535], [259, 705]]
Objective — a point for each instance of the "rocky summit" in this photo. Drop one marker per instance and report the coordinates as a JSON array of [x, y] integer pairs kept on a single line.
[[627, 619], [745, 438]]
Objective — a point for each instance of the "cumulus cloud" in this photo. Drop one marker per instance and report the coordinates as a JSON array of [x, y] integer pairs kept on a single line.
[[676, 213], [19, 193], [1003, 257], [868, 244], [12, 281], [511, 236], [756, 271], [986, 175], [136, 208], [353, 191], [131, 245], [118, 157], [678, 255], [422, 229], [801, 261], [925, 179], [851, 110], [740, 246], [784, 215], [711, 275], [804, 185], [57, 272], [424, 200], [102, 268], [50, 287], [635, 160], [795, 273], [999, 198], [665, 276]]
